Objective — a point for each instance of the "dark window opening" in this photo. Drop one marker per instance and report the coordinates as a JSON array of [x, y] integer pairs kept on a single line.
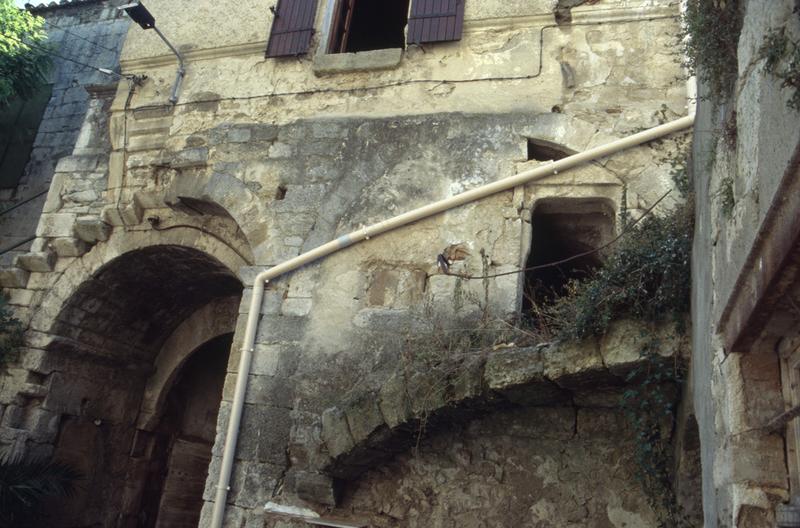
[[541, 150], [562, 229], [280, 193], [363, 25]]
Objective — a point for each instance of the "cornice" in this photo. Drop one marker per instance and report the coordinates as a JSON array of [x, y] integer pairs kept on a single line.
[[257, 48]]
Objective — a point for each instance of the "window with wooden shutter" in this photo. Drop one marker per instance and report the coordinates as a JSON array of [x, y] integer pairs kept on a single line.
[[364, 25], [435, 21], [292, 28]]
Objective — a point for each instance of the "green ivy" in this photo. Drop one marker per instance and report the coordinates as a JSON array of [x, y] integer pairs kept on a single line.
[[649, 406], [24, 59], [646, 277], [783, 61], [709, 38]]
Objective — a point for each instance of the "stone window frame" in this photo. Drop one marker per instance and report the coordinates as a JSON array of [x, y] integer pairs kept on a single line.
[[328, 62]]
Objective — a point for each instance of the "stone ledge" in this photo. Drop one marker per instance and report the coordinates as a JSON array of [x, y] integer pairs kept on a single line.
[[333, 63], [368, 428]]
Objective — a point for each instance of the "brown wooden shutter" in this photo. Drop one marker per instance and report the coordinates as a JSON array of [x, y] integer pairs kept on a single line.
[[340, 31], [292, 28], [435, 21]]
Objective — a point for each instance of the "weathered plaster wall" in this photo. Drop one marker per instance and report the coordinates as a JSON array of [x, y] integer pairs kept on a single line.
[[750, 140], [262, 159], [90, 33]]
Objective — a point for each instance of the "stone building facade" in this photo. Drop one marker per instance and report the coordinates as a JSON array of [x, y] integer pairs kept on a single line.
[[136, 292], [80, 32], [745, 284]]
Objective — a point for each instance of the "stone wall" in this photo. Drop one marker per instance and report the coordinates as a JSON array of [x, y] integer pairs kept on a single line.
[[743, 276], [261, 160], [90, 32]]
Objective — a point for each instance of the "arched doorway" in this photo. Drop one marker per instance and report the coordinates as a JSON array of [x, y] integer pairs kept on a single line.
[[182, 441], [107, 338]]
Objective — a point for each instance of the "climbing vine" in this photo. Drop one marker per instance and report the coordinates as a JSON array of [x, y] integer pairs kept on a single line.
[[646, 277], [649, 405], [709, 39], [783, 61]]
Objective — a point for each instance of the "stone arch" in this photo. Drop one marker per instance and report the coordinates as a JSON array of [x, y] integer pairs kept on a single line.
[[211, 321], [503, 423], [232, 196], [569, 134], [109, 318], [370, 426], [120, 243]]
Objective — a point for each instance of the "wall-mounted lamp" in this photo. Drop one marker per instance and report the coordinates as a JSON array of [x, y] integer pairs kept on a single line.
[[139, 14]]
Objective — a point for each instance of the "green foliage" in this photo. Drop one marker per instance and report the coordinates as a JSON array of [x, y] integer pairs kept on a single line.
[[646, 277], [23, 58], [10, 333], [649, 406], [25, 486], [726, 196], [783, 61], [709, 37]]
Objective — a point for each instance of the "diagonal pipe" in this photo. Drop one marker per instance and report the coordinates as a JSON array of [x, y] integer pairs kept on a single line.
[[261, 280]]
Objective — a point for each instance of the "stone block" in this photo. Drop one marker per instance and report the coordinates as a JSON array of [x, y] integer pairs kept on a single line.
[[132, 213], [264, 434], [426, 391], [278, 329], [116, 170], [239, 135], [314, 487], [92, 229], [296, 306], [336, 432], [271, 390], [112, 216], [55, 225], [42, 425], [19, 296], [39, 361], [329, 64], [393, 401], [266, 359], [621, 346], [53, 201], [83, 197], [70, 164], [13, 417], [280, 150], [69, 247], [192, 157], [14, 277], [252, 483], [468, 383], [515, 367], [576, 365], [42, 261], [363, 416]]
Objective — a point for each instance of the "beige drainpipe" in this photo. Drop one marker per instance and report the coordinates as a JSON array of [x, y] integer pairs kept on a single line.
[[232, 436]]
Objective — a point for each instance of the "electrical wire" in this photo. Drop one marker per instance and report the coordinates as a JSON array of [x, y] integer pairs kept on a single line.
[[68, 32], [403, 82], [616, 239], [50, 52]]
